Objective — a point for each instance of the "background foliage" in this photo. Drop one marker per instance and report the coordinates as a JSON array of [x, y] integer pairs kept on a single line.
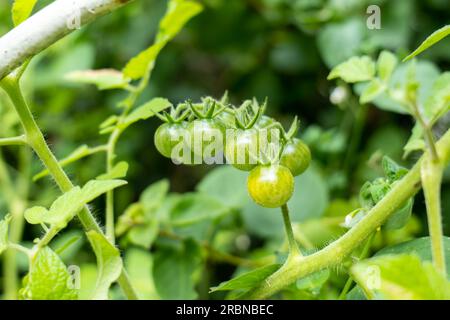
[[199, 227]]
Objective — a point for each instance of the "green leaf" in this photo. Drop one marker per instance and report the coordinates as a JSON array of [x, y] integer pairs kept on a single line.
[[193, 208], [21, 10], [104, 79], [146, 111], [247, 280], [48, 278], [4, 226], [139, 264], [117, 172], [438, 102], [415, 142], [35, 215], [153, 196], [227, 185], [178, 13], [355, 69], [70, 203], [373, 89], [176, 271], [435, 37], [400, 217], [79, 153], [386, 64], [392, 170], [109, 264], [144, 235], [400, 277]]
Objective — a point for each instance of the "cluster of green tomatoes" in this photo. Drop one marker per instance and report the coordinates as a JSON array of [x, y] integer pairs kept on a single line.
[[214, 130]]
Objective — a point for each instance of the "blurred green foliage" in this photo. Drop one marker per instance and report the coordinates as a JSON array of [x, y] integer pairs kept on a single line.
[[280, 49]]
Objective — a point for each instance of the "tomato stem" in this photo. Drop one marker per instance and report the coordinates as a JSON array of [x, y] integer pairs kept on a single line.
[[431, 174], [293, 247], [35, 139]]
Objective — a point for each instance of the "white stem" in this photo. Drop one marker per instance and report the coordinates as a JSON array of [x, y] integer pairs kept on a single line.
[[48, 26]]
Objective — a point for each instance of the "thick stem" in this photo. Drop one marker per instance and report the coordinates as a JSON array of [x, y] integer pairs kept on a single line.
[[36, 140], [293, 247], [335, 252], [431, 173]]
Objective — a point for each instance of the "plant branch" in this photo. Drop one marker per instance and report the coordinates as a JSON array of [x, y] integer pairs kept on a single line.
[[48, 26], [334, 253], [13, 141], [293, 248], [36, 140]]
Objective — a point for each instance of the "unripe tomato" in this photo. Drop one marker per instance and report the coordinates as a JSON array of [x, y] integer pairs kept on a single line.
[[205, 134], [265, 121], [296, 156], [242, 149], [167, 136], [270, 186]]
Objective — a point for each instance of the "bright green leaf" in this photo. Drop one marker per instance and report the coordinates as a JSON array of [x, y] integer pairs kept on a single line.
[[144, 235], [48, 278], [21, 10], [178, 13], [373, 89], [415, 142], [435, 37], [104, 79], [438, 102], [70, 203], [152, 197], [35, 215], [386, 64], [139, 264], [146, 111], [4, 226], [402, 277], [355, 69], [117, 172], [247, 280], [109, 264]]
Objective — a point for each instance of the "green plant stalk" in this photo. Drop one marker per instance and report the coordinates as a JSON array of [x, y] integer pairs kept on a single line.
[[36, 140], [293, 247], [431, 173], [16, 206], [111, 152], [335, 252], [18, 141], [363, 255]]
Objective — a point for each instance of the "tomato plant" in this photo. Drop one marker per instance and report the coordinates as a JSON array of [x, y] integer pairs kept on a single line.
[[181, 194]]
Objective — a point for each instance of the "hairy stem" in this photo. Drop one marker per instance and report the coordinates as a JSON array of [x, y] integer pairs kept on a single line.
[[36, 140], [293, 248], [431, 173], [334, 253]]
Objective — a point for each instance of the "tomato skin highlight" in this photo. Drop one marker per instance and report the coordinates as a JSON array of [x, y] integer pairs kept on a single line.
[[296, 156], [167, 136], [270, 186], [242, 149], [200, 131]]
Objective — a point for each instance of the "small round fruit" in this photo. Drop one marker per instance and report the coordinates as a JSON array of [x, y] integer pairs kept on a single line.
[[205, 135], [270, 186], [167, 136], [242, 149], [296, 156]]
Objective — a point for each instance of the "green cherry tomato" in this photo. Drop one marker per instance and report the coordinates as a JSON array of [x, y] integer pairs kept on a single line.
[[270, 186], [242, 150], [265, 121], [167, 136], [296, 156], [207, 137]]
